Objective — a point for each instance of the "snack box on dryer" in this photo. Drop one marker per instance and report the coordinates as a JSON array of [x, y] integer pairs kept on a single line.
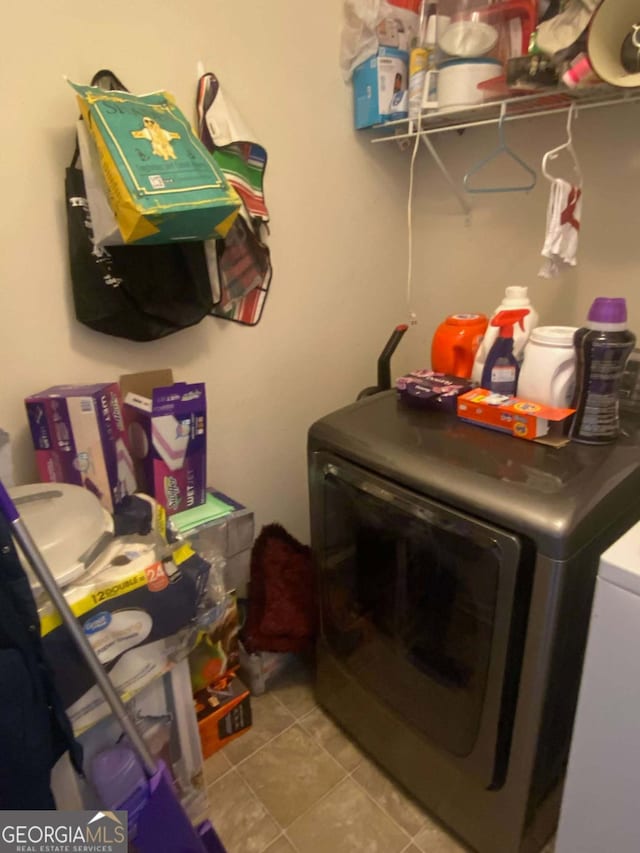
[[427, 389]]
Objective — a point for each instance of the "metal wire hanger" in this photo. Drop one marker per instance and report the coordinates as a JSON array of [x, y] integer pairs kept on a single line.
[[566, 146], [502, 149]]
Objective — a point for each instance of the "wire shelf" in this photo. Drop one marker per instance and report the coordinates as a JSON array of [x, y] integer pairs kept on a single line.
[[519, 107]]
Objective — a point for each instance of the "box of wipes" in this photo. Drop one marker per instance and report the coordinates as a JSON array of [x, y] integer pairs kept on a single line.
[[167, 428], [79, 437]]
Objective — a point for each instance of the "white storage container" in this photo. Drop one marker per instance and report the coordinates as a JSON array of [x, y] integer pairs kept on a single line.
[[458, 80]]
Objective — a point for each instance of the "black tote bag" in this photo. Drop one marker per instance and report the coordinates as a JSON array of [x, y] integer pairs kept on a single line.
[[136, 292]]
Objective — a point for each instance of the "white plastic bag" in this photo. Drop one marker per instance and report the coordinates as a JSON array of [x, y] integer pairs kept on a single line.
[[105, 228], [561, 31], [369, 24]]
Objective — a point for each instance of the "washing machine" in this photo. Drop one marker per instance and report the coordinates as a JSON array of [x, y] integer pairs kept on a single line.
[[600, 803], [456, 569]]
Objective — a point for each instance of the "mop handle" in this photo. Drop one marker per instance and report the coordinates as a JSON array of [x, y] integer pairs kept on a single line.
[[43, 573]]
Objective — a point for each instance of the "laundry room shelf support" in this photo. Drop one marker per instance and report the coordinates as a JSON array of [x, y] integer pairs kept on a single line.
[[464, 204], [493, 112]]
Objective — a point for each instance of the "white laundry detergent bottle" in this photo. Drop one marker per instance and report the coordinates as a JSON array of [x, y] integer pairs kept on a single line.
[[549, 368], [514, 298]]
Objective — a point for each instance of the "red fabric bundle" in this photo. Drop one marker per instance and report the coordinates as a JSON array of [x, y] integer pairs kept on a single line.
[[281, 616]]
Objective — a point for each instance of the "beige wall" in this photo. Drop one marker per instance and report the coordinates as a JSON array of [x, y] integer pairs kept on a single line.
[[338, 208], [461, 267], [332, 204]]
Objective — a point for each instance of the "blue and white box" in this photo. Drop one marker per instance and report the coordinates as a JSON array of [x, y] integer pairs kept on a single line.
[[380, 87]]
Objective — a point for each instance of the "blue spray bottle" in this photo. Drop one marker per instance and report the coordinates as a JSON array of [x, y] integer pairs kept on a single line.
[[501, 369]]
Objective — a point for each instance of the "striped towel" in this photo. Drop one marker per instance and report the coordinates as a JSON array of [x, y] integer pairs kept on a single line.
[[239, 156], [239, 265]]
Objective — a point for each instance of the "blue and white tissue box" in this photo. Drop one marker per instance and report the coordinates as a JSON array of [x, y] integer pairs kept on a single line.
[[380, 87]]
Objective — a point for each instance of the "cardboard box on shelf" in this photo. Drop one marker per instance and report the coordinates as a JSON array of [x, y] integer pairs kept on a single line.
[[224, 713], [380, 87], [79, 436], [167, 428], [521, 418]]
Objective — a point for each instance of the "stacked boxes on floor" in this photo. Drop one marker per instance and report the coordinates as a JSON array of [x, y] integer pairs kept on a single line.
[[148, 434], [221, 530]]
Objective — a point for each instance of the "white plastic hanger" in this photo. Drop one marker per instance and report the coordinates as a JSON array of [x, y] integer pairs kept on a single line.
[[568, 147], [502, 148]]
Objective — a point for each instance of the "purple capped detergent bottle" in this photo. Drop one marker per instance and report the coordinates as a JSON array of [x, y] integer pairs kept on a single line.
[[602, 346]]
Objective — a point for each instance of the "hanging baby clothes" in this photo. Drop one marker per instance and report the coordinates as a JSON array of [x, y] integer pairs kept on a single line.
[[563, 227], [239, 265]]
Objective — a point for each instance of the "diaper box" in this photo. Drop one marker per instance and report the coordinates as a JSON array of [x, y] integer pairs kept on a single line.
[[380, 87], [79, 436], [166, 423]]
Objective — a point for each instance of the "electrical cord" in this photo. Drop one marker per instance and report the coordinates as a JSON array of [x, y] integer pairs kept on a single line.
[[413, 317]]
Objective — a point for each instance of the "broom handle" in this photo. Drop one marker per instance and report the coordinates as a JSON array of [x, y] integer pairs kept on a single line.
[[43, 573]]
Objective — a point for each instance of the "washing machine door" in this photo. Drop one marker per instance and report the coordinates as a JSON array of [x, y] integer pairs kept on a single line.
[[417, 605]]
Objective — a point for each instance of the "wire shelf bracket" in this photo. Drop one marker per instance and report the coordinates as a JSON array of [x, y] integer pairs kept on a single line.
[[493, 112]]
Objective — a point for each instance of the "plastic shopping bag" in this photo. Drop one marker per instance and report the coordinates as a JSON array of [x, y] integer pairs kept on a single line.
[[364, 22]]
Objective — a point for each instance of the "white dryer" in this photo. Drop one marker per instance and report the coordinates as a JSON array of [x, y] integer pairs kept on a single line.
[[601, 802]]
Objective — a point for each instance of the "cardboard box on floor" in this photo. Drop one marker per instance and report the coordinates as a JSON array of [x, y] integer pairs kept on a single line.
[[167, 427], [223, 711]]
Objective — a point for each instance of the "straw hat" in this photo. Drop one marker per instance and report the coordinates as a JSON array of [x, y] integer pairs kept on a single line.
[[614, 42]]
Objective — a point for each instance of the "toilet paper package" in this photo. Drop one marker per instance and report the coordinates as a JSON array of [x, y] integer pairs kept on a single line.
[[79, 436], [133, 605], [166, 426]]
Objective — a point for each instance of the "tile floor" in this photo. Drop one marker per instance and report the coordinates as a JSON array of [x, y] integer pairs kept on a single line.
[[295, 783]]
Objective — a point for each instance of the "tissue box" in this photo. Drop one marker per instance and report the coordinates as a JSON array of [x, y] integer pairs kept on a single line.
[[380, 87], [167, 428], [79, 435], [518, 417]]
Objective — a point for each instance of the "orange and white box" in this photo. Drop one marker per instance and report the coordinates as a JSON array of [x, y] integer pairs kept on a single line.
[[522, 418]]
